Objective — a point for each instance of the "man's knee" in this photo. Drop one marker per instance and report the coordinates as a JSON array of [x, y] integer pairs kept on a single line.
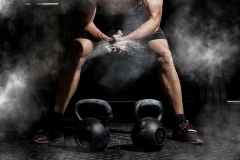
[[80, 48], [165, 58]]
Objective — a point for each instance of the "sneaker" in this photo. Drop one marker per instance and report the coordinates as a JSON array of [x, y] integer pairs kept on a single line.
[[45, 136], [186, 133]]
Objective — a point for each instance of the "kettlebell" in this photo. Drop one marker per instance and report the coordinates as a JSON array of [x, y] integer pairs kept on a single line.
[[148, 133], [92, 134]]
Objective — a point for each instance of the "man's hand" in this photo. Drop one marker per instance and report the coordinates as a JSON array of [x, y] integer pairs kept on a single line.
[[117, 43], [116, 37]]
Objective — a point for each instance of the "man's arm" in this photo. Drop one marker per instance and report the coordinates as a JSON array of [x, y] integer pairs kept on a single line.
[[87, 13], [153, 11]]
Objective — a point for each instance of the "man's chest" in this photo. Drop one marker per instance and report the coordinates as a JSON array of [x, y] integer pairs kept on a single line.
[[116, 7]]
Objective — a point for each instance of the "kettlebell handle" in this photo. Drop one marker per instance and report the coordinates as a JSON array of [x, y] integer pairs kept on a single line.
[[151, 103], [102, 103]]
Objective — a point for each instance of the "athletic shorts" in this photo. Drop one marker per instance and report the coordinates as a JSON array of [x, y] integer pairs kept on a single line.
[[127, 23]]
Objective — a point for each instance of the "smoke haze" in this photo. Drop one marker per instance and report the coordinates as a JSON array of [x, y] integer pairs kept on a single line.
[[5, 7], [22, 99], [204, 38]]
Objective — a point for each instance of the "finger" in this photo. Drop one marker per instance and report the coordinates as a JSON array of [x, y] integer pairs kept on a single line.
[[120, 32], [118, 45], [117, 50], [120, 51], [121, 47], [109, 49], [113, 49], [121, 43], [111, 40], [117, 37]]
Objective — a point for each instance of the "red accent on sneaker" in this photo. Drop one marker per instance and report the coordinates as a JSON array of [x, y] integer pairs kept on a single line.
[[45, 142], [41, 142], [198, 142], [182, 129], [55, 140]]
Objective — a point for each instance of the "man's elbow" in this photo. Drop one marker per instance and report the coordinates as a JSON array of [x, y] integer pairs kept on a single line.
[[86, 26]]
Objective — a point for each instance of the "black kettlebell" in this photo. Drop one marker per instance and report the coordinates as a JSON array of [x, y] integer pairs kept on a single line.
[[148, 134], [92, 134]]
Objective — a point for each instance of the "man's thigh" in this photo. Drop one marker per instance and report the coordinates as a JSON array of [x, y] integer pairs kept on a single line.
[[158, 45]]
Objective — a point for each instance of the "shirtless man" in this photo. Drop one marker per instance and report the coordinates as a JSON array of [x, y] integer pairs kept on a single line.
[[82, 47]]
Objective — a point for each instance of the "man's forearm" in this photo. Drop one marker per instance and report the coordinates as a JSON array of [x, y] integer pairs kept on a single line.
[[94, 33], [146, 29], [152, 10]]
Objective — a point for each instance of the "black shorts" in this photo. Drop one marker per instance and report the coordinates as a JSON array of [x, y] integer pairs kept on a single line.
[[157, 35], [127, 23]]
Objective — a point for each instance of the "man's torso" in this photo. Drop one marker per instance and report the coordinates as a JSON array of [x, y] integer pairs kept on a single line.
[[118, 7], [113, 15]]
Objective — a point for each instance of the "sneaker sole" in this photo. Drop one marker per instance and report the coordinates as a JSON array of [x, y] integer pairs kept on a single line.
[[199, 142], [45, 142]]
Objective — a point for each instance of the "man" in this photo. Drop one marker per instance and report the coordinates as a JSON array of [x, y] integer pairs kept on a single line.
[[150, 13]]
